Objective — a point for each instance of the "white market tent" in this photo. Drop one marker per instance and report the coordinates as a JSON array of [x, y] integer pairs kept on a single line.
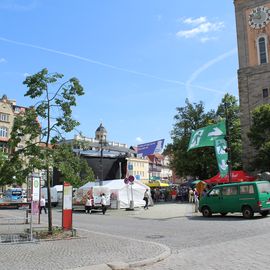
[[123, 193]]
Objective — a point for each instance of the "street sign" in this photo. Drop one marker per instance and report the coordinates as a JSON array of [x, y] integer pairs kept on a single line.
[[131, 178]]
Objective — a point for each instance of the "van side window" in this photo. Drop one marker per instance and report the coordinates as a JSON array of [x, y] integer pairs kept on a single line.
[[247, 189], [214, 192], [227, 191]]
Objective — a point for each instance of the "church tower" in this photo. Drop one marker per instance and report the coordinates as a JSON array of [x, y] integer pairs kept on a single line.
[[253, 37], [101, 133]]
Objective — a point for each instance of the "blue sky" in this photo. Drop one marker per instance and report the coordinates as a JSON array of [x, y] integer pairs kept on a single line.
[[137, 60]]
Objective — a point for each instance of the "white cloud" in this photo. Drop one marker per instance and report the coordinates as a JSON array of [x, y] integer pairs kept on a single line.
[[3, 60], [205, 39], [203, 26], [16, 5], [26, 74], [197, 21], [139, 139]]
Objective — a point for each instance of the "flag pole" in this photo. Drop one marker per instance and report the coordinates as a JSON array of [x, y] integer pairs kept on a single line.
[[228, 142]]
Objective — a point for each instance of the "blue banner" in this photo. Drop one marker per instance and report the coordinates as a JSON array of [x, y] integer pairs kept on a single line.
[[150, 148]]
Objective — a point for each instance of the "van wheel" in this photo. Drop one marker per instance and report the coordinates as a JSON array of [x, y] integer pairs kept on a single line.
[[206, 211], [264, 213], [224, 214], [247, 212]]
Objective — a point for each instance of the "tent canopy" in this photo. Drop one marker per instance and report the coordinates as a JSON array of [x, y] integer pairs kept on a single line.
[[121, 192], [237, 176], [125, 192]]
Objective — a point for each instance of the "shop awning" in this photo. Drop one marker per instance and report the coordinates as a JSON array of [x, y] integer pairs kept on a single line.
[[155, 183]]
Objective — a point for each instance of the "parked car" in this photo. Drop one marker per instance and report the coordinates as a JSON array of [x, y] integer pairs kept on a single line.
[[245, 197]]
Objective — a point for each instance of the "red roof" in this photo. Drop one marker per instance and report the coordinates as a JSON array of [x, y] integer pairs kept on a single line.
[[237, 176]]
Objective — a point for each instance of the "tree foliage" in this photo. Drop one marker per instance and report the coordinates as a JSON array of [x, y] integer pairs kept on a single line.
[[201, 162], [233, 112], [259, 136], [42, 126], [198, 162]]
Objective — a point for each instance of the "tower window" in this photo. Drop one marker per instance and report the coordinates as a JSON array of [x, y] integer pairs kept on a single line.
[[265, 92], [262, 50]]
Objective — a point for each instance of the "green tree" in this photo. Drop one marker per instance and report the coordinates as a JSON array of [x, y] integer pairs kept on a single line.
[[198, 162], [42, 126], [259, 136], [234, 128], [201, 162]]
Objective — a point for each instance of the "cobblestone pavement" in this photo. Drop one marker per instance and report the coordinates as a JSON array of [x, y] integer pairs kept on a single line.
[[129, 236]]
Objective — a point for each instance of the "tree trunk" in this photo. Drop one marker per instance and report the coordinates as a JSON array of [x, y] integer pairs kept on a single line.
[[49, 201]]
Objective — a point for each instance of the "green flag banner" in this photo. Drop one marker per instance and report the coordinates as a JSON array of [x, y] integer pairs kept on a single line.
[[206, 136], [222, 156]]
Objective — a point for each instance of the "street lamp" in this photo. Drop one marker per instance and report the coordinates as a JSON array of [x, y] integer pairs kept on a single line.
[[102, 143], [228, 139]]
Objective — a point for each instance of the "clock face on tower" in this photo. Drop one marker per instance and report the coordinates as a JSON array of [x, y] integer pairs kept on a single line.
[[259, 17]]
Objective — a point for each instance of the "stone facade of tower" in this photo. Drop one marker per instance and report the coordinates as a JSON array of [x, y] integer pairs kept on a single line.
[[253, 37]]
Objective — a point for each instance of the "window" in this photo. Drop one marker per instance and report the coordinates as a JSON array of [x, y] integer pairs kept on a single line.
[[3, 132], [17, 109], [4, 117], [247, 189], [262, 53], [227, 191], [265, 93], [264, 187], [214, 192]]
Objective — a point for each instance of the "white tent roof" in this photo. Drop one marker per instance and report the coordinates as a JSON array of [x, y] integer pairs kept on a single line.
[[119, 184], [89, 185]]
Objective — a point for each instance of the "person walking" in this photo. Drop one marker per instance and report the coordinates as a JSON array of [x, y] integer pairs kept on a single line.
[[103, 203], [42, 205], [146, 199], [196, 200], [88, 205], [190, 196]]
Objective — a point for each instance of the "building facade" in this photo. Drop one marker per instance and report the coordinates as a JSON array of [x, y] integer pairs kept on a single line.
[[8, 112], [138, 167], [253, 37]]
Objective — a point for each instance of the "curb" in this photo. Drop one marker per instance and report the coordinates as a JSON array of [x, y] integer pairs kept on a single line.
[[128, 266], [159, 258]]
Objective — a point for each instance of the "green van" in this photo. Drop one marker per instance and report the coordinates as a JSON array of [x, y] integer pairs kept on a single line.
[[245, 197]]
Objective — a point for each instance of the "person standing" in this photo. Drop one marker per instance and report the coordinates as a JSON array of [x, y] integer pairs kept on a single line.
[[88, 205], [42, 204], [196, 200], [146, 199], [103, 203], [190, 195]]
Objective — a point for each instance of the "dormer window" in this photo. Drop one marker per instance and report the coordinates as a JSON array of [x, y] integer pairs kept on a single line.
[[262, 50]]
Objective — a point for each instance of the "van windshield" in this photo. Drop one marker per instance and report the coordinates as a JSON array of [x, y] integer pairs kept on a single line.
[[264, 187]]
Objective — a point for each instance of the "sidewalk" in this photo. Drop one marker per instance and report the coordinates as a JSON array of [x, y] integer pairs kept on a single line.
[[94, 251]]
